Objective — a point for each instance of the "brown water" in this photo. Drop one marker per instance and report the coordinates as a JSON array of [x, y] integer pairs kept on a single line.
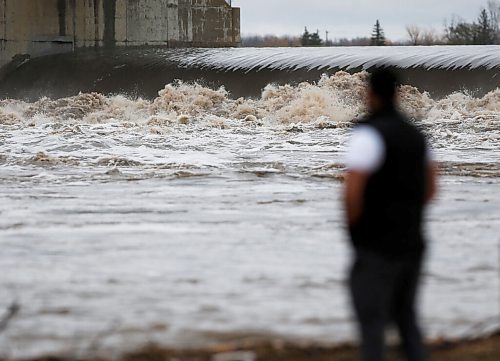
[[196, 217]]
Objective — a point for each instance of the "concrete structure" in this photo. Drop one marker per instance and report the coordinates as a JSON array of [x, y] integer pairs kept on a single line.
[[31, 28]]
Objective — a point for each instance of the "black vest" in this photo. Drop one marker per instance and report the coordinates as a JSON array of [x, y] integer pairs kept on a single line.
[[391, 222]]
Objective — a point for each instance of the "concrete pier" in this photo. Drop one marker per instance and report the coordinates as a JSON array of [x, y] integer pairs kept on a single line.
[[31, 28]]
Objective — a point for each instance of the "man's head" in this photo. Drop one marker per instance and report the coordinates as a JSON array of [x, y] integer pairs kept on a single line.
[[382, 88]]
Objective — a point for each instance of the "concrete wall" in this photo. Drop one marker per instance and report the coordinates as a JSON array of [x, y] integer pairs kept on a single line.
[[41, 27]]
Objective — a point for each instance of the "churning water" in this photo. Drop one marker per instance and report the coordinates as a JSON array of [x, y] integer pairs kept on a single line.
[[196, 217]]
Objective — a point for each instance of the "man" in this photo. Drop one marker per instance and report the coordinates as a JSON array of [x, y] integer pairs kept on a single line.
[[390, 177]]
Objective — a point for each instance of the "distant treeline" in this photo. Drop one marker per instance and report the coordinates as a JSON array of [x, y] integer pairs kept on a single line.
[[270, 41], [484, 30]]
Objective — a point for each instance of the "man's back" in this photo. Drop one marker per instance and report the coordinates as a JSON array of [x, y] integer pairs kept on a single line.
[[395, 193]]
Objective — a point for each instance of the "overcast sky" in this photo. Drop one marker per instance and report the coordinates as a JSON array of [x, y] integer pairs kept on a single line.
[[349, 18]]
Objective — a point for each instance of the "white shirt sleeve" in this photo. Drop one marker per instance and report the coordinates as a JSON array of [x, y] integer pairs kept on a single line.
[[366, 150]]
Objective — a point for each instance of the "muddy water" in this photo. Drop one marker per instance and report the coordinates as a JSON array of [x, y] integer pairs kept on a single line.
[[196, 218]]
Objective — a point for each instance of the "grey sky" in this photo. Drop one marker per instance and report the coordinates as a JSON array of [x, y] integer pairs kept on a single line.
[[350, 18]]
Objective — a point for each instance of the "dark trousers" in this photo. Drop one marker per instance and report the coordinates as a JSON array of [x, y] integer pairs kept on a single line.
[[384, 291]]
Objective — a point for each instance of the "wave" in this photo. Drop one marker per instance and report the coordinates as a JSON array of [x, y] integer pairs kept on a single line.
[[426, 57], [335, 100]]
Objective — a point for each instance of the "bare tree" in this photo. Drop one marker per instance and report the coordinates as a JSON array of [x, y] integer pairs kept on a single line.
[[494, 15], [494, 12], [460, 32], [414, 32], [485, 32], [431, 37]]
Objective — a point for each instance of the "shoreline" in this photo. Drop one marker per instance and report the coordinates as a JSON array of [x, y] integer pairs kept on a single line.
[[475, 349]]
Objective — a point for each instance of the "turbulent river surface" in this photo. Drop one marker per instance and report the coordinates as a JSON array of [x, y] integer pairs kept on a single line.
[[197, 218]]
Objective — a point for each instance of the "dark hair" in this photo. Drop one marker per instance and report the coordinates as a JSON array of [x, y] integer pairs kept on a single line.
[[383, 83]]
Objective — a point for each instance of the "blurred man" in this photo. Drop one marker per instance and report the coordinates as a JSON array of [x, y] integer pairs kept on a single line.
[[390, 177]]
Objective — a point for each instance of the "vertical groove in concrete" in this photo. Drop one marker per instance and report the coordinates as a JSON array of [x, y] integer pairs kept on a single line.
[[96, 22], [3, 40], [5, 19], [73, 5], [61, 11], [109, 22], [126, 22], [167, 41]]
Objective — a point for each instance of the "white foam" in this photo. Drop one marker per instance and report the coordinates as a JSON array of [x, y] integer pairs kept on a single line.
[[100, 124]]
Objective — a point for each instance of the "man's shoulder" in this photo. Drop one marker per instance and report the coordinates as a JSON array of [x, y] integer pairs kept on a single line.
[[394, 119], [387, 122], [378, 119], [388, 117]]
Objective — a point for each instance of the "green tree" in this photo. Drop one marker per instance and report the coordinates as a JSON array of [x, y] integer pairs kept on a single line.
[[309, 39], [316, 39], [378, 36], [306, 38]]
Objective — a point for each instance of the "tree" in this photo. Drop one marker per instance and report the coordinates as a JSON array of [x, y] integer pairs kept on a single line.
[[315, 39], [378, 37], [309, 39], [459, 32], [414, 32], [494, 13], [485, 32], [306, 38], [431, 37]]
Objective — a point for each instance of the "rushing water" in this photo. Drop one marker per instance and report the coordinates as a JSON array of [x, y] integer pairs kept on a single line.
[[139, 71], [197, 218]]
